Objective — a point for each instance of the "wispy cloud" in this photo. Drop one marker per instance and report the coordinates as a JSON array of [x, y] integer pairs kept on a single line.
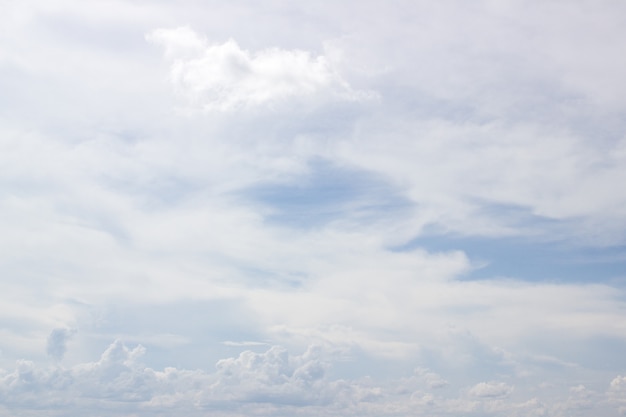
[[409, 208], [245, 343]]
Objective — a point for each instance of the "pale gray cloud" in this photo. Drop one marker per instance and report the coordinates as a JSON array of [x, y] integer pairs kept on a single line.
[[57, 342], [432, 379], [616, 393], [491, 390]]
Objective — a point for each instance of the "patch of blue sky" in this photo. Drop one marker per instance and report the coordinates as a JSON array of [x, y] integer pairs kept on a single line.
[[531, 260], [329, 193], [536, 256]]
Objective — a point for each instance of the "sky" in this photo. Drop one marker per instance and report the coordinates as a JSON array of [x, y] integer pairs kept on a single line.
[[328, 208]]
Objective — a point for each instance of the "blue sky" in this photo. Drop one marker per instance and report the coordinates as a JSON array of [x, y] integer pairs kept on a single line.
[[317, 209]]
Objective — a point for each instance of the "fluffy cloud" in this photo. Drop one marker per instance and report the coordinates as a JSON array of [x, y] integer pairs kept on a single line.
[[273, 382], [491, 390], [617, 393], [226, 77], [618, 384], [119, 382], [432, 379]]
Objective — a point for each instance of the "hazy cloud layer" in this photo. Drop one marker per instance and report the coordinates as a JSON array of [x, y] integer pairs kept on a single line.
[[330, 209]]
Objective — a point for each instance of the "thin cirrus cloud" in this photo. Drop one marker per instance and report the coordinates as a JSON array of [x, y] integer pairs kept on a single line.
[[286, 209]]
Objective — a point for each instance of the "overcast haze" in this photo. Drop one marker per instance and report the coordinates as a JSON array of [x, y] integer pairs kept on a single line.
[[325, 208]]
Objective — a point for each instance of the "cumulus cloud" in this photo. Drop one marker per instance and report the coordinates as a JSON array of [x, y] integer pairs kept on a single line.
[[432, 379], [275, 376], [118, 377], [491, 390], [223, 76], [618, 383], [616, 393], [581, 398], [273, 382]]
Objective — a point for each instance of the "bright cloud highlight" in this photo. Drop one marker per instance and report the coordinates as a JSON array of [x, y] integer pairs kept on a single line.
[[226, 77]]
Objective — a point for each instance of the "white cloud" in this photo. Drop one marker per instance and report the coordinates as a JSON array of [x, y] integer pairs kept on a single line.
[[245, 343], [491, 390], [432, 379], [274, 382], [276, 377], [118, 382], [616, 393], [226, 77], [618, 383]]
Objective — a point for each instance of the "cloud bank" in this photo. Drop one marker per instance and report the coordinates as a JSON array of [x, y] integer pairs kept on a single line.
[[273, 382]]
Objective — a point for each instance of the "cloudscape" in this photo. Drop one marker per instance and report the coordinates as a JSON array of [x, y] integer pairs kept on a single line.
[[325, 208]]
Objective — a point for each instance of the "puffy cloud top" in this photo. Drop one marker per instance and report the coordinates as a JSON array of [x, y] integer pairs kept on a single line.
[[491, 390], [223, 76]]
